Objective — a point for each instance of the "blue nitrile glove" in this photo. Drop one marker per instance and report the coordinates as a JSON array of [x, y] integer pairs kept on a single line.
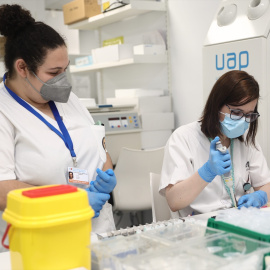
[[254, 199], [92, 187], [105, 181], [217, 164], [97, 200]]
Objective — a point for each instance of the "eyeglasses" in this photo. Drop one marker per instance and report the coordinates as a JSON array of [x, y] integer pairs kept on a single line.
[[238, 114]]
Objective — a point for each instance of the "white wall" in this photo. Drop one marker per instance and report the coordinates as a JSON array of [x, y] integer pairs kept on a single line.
[[36, 7], [37, 10], [56, 20], [189, 21], [53, 18]]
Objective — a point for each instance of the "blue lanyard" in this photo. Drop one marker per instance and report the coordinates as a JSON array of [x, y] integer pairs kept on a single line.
[[64, 135]]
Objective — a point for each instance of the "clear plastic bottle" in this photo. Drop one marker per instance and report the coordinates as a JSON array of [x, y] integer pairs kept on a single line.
[[227, 176]]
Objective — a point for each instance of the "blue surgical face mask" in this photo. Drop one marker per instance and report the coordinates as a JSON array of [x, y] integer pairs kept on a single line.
[[233, 128]]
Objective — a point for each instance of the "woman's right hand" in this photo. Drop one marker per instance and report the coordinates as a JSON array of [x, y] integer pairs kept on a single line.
[[217, 164]]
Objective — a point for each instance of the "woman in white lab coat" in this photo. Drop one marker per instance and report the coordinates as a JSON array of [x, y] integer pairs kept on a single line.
[[193, 170], [45, 132]]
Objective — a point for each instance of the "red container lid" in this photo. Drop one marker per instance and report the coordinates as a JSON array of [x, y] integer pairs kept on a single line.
[[49, 191]]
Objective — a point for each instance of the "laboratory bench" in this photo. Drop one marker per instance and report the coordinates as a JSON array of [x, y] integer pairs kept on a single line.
[[200, 220], [5, 257]]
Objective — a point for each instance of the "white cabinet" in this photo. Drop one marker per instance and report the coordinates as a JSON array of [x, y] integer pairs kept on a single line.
[[139, 22], [136, 7], [136, 59], [134, 22]]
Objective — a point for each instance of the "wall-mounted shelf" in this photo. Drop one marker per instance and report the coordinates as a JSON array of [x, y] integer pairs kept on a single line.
[[133, 9], [72, 57], [137, 59]]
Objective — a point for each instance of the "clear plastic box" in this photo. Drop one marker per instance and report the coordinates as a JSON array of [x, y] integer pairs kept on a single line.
[[112, 253], [183, 232], [219, 252], [172, 259], [109, 253], [231, 250]]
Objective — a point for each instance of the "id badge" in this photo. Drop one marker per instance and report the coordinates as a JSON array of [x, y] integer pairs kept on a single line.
[[78, 176]]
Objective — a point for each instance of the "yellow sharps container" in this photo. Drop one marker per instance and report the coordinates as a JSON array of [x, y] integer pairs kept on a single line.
[[50, 228]]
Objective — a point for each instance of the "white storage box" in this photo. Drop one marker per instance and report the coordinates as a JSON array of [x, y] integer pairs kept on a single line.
[[84, 61], [123, 101], [154, 139], [157, 121], [155, 104], [149, 49], [138, 92], [112, 53], [144, 104]]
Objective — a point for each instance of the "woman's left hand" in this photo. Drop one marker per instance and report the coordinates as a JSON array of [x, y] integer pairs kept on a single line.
[[105, 181], [97, 200], [255, 199]]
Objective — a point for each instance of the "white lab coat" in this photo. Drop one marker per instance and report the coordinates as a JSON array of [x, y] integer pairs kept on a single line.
[[33, 153], [188, 149]]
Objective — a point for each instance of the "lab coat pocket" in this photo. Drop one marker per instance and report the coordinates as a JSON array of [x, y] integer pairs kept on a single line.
[[99, 133]]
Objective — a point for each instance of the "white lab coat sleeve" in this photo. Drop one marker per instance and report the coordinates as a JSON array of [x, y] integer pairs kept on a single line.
[[105, 221], [7, 142], [178, 159], [259, 171]]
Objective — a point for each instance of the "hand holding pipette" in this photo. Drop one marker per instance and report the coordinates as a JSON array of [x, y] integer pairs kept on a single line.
[[219, 163], [227, 176]]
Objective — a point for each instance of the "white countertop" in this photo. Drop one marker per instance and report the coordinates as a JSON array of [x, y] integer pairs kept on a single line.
[[5, 256], [5, 261]]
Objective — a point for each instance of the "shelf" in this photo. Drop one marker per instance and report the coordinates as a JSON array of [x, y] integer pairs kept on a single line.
[[137, 59], [73, 56], [133, 9]]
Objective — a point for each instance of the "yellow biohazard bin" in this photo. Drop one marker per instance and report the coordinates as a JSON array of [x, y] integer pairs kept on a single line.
[[49, 228]]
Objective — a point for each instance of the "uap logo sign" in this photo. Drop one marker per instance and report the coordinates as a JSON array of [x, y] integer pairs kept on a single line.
[[232, 60]]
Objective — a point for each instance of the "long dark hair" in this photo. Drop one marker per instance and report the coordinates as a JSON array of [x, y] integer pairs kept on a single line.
[[25, 38], [234, 88]]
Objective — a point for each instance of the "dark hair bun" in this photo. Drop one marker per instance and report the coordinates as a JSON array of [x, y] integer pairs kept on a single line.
[[14, 18]]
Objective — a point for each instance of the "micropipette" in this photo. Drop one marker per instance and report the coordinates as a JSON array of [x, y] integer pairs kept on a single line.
[[227, 176]]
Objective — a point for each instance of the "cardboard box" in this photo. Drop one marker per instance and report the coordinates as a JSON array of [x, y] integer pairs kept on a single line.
[[2, 47], [78, 10], [112, 53]]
